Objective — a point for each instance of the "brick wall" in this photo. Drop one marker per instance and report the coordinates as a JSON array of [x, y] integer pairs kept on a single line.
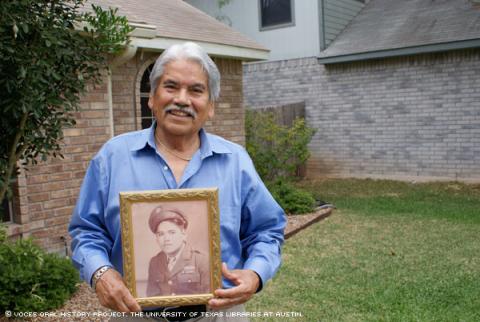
[[229, 113], [414, 117], [228, 121], [47, 192]]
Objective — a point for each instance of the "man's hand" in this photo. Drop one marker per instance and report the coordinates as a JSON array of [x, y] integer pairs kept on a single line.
[[113, 293], [246, 284]]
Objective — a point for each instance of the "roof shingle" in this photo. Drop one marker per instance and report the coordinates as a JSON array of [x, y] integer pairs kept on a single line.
[[177, 19], [396, 24]]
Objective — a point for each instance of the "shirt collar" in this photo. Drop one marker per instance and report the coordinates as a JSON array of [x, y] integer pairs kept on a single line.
[[143, 138], [207, 147]]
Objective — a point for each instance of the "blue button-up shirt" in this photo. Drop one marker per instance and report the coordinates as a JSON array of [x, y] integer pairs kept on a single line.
[[251, 222]]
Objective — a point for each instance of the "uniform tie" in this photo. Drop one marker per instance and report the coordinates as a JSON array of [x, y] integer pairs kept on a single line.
[[170, 262]]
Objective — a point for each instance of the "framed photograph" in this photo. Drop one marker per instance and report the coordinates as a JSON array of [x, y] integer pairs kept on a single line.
[[171, 245]]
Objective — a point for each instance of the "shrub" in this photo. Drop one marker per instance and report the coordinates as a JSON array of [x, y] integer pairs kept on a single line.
[[277, 150], [3, 233], [33, 280], [292, 199]]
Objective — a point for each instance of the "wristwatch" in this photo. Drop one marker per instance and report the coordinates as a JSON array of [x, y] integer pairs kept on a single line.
[[98, 273]]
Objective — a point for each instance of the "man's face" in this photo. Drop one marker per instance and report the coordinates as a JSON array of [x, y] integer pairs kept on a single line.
[[181, 102], [170, 237]]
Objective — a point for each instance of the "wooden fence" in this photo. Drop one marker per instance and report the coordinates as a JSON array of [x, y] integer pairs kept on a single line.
[[286, 114]]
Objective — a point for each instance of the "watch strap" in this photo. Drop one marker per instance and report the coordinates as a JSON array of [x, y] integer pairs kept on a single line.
[[98, 274]]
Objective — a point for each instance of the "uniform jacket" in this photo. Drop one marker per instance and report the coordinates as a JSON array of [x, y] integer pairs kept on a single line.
[[190, 275]]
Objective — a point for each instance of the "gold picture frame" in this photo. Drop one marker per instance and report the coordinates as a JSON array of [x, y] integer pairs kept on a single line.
[[147, 268]]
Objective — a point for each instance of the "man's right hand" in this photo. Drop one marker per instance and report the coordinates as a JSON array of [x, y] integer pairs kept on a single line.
[[113, 293]]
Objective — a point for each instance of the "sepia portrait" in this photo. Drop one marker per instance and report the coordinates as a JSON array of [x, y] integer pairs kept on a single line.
[[170, 241]]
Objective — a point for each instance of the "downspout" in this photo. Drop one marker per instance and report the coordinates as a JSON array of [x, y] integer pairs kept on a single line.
[[125, 56], [321, 24], [110, 101]]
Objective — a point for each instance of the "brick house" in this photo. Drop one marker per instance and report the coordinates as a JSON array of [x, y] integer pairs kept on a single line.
[[392, 87], [46, 194]]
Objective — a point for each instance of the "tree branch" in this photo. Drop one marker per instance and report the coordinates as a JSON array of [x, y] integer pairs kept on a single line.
[[13, 156]]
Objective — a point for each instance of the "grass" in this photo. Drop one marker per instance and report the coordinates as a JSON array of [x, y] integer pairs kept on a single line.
[[452, 201], [392, 251]]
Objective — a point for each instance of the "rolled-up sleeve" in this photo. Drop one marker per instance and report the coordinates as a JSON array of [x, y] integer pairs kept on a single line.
[[91, 243]]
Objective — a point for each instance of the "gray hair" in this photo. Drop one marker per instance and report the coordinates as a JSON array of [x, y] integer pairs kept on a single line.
[[190, 51]]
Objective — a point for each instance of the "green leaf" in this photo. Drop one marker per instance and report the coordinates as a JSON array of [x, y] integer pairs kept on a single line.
[[23, 72], [24, 27], [46, 63]]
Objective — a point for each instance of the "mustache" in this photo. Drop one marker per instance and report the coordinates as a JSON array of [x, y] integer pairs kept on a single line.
[[185, 109]]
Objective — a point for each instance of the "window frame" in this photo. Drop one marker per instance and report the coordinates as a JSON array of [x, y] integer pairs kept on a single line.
[[12, 203], [10, 212], [277, 26], [145, 95]]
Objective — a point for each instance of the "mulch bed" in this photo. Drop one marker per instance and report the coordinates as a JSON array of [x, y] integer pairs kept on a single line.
[[84, 305]]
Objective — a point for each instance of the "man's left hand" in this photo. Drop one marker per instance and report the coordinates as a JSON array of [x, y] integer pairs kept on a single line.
[[246, 284]]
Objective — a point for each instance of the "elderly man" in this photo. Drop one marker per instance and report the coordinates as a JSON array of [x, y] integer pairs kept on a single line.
[[175, 153], [178, 268]]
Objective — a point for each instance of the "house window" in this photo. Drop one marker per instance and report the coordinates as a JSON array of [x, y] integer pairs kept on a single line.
[[146, 113], [276, 14], [6, 210], [9, 206]]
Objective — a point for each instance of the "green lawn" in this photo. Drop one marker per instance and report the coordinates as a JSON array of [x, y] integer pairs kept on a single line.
[[392, 251]]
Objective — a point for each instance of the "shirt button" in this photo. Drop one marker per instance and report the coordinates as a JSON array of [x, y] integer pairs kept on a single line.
[[169, 282], [173, 293], [165, 168]]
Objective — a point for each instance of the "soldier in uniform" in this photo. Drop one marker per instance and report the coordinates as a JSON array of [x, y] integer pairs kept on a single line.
[[178, 268]]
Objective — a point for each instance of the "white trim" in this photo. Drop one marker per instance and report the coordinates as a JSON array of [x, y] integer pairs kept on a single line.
[[160, 44], [415, 50], [142, 30], [128, 53], [145, 36]]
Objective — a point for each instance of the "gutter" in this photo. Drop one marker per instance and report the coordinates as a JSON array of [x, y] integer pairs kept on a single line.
[[220, 50], [414, 50]]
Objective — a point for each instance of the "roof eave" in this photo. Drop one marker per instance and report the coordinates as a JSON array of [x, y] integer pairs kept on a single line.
[[214, 49], [414, 50], [145, 36]]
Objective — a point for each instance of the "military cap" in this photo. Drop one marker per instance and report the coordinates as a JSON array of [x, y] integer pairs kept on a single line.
[[160, 214]]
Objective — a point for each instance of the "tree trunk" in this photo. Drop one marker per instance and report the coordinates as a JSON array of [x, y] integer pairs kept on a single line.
[[13, 157]]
